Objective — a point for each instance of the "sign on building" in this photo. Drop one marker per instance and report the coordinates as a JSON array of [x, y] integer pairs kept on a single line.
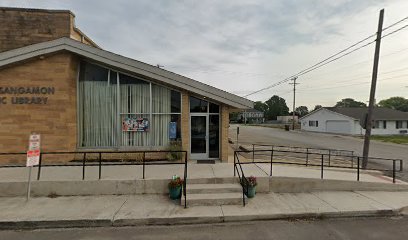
[[33, 153], [135, 124], [172, 130]]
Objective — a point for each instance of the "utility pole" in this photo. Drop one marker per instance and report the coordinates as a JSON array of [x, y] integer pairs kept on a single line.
[[372, 91], [294, 101]]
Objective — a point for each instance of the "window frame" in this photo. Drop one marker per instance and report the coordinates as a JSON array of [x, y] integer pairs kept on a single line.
[[120, 114]]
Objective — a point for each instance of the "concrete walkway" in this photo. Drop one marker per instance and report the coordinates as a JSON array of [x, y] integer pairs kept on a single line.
[[123, 210], [195, 171], [17, 213]]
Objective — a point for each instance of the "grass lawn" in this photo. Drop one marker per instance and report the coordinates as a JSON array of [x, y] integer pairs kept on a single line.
[[400, 139]]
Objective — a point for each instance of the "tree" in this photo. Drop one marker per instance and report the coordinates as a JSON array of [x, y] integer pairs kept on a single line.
[[317, 107], [349, 102], [397, 103], [276, 107], [260, 106], [301, 111]]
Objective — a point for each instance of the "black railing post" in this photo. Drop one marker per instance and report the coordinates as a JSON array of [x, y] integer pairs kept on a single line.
[[243, 196], [321, 171], [143, 162], [83, 166], [307, 156], [329, 156], [100, 165], [393, 171], [253, 152], [39, 167], [185, 180], [271, 162], [235, 157], [352, 161], [358, 168]]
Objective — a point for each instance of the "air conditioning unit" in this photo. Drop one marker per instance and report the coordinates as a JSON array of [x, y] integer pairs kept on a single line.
[[403, 131]]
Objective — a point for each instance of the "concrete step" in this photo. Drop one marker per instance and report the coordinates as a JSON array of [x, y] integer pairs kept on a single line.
[[213, 199], [214, 188]]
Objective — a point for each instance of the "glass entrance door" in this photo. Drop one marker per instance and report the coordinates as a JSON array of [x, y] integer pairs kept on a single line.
[[199, 146]]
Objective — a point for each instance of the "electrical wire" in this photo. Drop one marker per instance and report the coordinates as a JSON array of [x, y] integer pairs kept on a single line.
[[333, 57]]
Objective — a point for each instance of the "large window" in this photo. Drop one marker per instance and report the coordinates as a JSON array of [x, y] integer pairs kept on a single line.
[[401, 124], [380, 124], [118, 110], [313, 123]]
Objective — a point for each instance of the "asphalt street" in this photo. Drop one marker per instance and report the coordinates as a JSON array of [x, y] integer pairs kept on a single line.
[[331, 229], [274, 136]]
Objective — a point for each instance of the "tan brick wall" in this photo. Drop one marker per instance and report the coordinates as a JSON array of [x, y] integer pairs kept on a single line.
[[185, 121], [22, 27], [224, 133], [55, 120]]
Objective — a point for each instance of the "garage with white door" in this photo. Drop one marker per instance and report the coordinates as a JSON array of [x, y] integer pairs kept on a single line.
[[338, 126]]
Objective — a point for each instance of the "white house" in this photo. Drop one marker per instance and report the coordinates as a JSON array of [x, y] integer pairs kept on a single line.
[[352, 121]]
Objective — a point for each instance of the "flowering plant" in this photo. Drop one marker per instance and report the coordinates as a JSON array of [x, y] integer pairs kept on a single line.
[[252, 181], [175, 182]]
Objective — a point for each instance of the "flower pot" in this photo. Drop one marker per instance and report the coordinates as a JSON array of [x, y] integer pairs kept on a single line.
[[251, 191], [175, 192]]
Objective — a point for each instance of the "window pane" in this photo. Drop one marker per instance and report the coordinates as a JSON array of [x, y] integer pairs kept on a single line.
[[214, 136], [92, 72], [113, 78], [198, 105], [134, 95], [214, 108], [97, 113], [161, 99], [175, 102], [160, 129], [177, 119]]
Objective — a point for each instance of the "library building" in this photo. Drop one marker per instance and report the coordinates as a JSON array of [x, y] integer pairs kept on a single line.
[[56, 81]]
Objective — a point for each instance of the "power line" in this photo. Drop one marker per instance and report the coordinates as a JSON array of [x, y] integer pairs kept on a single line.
[[314, 67], [353, 84], [331, 58], [397, 30], [396, 23]]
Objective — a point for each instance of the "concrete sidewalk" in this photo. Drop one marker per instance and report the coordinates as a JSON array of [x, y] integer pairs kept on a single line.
[[195, 171], [129, 210]]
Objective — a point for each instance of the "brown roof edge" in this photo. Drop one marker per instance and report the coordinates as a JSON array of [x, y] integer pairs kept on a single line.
[[35, 10]]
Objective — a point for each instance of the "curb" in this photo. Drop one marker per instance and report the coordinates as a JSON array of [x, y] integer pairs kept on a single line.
[[81, 223], [43, 224]]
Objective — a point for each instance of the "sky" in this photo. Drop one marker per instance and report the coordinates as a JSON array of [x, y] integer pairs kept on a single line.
[[242, 46]]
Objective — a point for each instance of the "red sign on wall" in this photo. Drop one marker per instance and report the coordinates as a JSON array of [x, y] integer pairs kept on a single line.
[[33, 153]]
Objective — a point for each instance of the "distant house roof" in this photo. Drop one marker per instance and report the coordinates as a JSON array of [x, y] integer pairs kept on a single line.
[[125, 64], [359, 113], [379, 113]]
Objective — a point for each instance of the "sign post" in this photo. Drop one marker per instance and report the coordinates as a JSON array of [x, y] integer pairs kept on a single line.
[[33, 157], [237, 138]]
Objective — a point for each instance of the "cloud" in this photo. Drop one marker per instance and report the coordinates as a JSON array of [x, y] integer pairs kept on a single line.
[[240, 46]]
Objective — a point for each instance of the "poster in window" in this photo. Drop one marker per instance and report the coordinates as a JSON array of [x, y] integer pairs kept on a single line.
[[135, 124], [172, 130]]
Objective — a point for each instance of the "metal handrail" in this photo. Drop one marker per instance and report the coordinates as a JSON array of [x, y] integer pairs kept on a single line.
[[310, 148], [241, 176], [321, 165], [100, 163], [352, 157]]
